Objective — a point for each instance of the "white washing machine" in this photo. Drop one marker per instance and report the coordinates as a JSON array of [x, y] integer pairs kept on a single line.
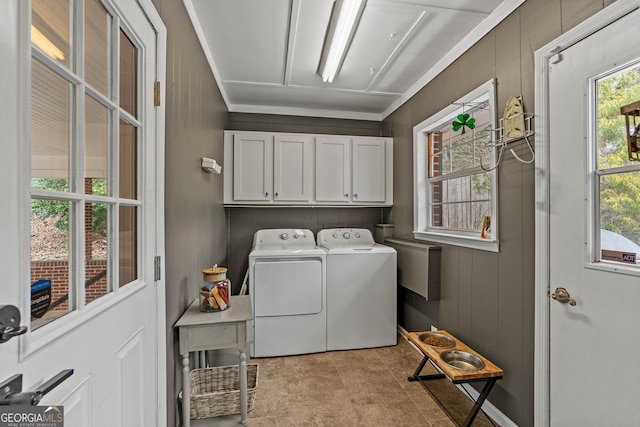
[[361, 290], [287, 277]]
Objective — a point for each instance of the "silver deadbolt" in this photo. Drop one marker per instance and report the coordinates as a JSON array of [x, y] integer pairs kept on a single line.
[[562, 296]]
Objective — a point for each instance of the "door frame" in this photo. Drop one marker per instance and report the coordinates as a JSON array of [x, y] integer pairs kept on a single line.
[[161, 314], [543, 57]]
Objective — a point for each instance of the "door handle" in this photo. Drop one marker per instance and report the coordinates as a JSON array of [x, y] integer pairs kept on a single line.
[[562, 296], [11, 389], [10, 323]]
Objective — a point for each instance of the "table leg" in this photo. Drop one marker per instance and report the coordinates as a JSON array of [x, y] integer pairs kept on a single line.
[[416, 375], [243, 386], [186, 392], [478, 403]]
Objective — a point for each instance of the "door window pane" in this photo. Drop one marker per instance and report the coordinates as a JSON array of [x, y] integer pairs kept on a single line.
[[50, 126], [49, 261], [127, 236], [96, 147], [96, 46], [614, 92], [50, 29], [96, 250], [128, 161], [128, 74], [620, 217]]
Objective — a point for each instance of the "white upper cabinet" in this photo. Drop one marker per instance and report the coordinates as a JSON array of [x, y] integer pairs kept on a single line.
[[252, 167], [369, 170], [302, 169], [333, 169], [292, 168]]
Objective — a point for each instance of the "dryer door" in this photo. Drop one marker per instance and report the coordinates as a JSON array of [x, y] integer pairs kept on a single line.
[[287, 287]]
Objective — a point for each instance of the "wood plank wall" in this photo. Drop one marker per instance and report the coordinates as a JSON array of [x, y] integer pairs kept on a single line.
[[487, 299], [195, 222]]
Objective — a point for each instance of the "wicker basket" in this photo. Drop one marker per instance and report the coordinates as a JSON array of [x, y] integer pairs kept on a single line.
[[216, 391]]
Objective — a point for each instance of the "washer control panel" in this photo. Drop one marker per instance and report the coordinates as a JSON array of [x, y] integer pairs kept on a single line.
[[285, 236], [345, 236]]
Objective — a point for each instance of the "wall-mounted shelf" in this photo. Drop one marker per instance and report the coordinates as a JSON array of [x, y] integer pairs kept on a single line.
[[510, 130]]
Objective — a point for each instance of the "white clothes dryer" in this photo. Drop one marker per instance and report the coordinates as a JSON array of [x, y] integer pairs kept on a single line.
[[361, 290], [287, 277]]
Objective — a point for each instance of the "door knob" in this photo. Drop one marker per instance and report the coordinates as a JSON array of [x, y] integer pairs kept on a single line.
[[562, 296]]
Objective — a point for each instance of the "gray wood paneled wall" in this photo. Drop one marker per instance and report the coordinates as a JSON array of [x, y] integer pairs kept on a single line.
[[195, 222], [487, 299]]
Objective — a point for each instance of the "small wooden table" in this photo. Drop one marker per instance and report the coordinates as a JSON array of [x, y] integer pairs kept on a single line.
[[490, 373], [211, 331]]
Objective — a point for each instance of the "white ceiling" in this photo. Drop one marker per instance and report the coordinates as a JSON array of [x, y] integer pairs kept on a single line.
[[265, 53]]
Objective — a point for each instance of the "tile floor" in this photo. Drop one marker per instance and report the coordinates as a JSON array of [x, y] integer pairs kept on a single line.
[[351, 388]]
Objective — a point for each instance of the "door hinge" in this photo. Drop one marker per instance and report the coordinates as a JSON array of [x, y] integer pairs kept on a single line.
[[157, 263], [557, 51], [156, 94]]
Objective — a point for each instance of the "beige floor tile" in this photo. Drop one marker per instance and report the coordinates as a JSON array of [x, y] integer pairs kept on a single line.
[[270, 367], [272, 399], [389, 414], [376, 390], [316, 390], [337, 414], [263, 422]]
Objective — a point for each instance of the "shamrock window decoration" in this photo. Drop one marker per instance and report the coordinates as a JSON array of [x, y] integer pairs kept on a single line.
[[462, 122]]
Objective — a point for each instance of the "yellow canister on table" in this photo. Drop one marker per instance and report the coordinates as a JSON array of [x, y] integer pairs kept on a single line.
[[215, 292]]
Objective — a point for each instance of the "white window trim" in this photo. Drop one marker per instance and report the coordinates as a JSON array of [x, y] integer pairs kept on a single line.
[[421, 230]]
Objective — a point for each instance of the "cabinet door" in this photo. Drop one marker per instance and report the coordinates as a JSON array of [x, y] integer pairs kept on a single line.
[[369, 173], [333, 166], [252, 166], [292, 168]]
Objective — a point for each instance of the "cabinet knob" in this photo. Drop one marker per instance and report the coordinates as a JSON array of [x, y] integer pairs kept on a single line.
[[266, 194], [355, 195], [346, 195], [275, 195]]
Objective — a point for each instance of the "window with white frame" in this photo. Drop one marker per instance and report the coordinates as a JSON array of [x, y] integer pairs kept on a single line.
[[615, 168], [455, 191]]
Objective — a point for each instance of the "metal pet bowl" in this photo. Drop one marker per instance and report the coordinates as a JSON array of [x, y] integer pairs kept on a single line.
[[462, 360], [434, 339]]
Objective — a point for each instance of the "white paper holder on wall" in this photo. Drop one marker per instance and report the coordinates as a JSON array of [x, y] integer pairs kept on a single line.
[[211, 166]]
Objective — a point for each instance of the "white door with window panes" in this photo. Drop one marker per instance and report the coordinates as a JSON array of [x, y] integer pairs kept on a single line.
[[82, 206], [589, 293]]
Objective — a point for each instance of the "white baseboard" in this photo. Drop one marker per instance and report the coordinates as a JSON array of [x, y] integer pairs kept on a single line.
[[487, 406]]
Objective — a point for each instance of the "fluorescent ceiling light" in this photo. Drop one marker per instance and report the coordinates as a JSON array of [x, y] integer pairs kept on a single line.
[[45, 44], [344, 20]]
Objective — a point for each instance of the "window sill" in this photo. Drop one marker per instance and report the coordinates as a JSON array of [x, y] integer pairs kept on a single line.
[[463, 241]]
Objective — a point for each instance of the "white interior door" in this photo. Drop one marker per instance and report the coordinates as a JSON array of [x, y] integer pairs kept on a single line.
[[81, 152], [593, 344]]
